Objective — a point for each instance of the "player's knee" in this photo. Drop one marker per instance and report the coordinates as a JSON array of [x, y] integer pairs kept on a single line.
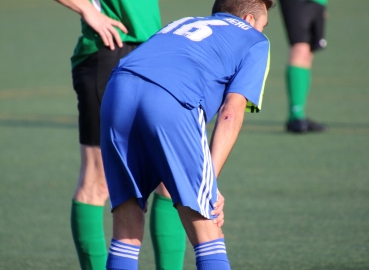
[[92, 190], [102, 190], [301, 55]]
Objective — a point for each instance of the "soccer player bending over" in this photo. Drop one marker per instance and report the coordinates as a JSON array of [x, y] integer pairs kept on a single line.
[[153, 115]]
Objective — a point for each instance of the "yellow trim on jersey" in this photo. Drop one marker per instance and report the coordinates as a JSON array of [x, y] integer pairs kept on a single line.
[[251, 107]]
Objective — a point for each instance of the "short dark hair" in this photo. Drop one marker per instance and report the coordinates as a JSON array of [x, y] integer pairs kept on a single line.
[[241, 8]]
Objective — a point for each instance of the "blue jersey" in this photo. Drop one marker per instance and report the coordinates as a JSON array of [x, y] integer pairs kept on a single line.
[[200, 59]]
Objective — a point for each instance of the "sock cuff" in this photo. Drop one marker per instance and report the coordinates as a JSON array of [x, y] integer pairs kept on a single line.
[[129, 246], [209, 242], [212, 250], [86, 205], [84, 211], [122, 255], [293, 67]]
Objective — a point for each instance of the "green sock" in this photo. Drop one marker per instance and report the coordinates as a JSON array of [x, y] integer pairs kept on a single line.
[[167, 234], [298, 85], [88, 235]]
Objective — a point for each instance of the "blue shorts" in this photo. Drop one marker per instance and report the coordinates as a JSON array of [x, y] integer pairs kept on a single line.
[[148, 137]]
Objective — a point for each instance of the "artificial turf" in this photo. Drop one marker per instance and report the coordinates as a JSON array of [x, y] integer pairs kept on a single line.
[[292, 201]]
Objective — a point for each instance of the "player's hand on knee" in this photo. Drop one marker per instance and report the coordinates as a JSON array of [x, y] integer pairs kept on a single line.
[[218, 210], [219, 220]]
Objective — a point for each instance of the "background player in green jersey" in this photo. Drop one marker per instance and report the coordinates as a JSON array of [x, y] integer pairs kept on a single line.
[[304, 22], [110, 30]]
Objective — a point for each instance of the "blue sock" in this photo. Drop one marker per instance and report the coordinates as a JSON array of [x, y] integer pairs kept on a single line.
[[122, 256], [212, 255]]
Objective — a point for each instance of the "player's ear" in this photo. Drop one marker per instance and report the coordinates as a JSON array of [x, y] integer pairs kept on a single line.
[[250, 19]]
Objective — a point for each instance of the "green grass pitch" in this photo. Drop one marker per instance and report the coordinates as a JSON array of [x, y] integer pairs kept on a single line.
[[292, 202]]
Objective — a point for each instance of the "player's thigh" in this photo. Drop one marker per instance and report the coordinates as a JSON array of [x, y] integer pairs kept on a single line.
[[298, 19], [89, 80], [318, 28], [198, 228], [84, 83]]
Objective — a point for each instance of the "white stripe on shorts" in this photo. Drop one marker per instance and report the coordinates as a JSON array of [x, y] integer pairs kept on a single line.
[[205, 195]]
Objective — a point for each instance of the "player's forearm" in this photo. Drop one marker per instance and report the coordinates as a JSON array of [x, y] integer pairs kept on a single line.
[[226, 130], [79, 6]]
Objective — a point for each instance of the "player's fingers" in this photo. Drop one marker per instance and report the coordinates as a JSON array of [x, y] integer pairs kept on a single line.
[[219, 220], [220, 224], [218, 205], [120, 26], [117, 38], [217, 211], [104, 38], [220, 200], [109, 38], [114, 36], [115, 33]]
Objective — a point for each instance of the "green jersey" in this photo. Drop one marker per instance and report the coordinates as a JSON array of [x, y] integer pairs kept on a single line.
[[140, 17]]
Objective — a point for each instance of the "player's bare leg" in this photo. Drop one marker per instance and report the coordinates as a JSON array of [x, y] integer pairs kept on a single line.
[[198, 228], [88, 208], [207, 239], [91, 188], [128, 222], [162, 191], [128, 229], [301, 56]]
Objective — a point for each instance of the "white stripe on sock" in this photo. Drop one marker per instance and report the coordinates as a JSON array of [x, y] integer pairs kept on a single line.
[[211, 253], [124, 255]]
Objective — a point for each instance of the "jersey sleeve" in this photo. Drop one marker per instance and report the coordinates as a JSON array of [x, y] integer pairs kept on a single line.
[[250, 78]]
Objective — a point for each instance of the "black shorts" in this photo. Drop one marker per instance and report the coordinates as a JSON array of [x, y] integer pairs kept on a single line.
[[89, 81], [304, 22]]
